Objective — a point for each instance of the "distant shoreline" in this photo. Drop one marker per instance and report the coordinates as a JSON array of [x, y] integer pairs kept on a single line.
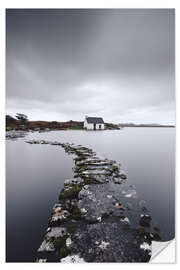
[[155, 126], [25, 124]]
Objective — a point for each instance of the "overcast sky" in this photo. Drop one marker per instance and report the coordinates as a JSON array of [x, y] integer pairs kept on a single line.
[[65, 64]]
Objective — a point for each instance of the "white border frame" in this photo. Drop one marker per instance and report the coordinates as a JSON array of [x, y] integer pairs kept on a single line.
[[69, 4]]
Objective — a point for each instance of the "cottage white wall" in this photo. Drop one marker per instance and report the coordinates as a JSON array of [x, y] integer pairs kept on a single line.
[[85, 123], [97, 126], [88, 126]]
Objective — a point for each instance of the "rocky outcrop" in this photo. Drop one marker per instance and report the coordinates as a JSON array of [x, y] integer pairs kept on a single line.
[[15, 134], [99, 217]]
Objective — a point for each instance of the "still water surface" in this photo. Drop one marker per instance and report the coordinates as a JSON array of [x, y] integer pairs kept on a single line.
[[36, 173]]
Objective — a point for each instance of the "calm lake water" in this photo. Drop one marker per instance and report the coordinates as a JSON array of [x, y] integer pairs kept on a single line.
[[36, 173]]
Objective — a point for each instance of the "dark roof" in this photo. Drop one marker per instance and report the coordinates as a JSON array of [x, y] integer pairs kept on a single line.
[[95, 120]]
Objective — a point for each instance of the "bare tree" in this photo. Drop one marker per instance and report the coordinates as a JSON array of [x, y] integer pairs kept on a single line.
[[22, 118]]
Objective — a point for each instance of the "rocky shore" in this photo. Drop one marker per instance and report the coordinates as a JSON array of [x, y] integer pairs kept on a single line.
[[98, 217], [15, 134]]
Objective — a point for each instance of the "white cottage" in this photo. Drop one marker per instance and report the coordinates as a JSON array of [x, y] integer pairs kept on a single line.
[[93, 123]]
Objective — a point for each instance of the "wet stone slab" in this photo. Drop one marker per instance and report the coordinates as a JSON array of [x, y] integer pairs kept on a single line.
[[108, 241], [99, 217], [105, 200]]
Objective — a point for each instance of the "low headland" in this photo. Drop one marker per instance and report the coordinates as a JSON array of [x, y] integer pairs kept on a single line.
[[15, 124], [24, 124]]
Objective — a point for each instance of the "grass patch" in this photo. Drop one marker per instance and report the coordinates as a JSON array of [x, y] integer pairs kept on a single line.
[[76, 213], [76, 128], [79, 169], [9, 128], [71, 193], [63, 252], [60, 246], [59, 241], [90, 180], [115, 168], [71, 228]]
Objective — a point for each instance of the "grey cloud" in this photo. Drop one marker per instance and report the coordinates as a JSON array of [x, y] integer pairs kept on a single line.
[[75, 62]]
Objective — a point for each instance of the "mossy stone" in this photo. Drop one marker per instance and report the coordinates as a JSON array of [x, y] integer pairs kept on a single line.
[[63, 252], [145, 221], [71, 193]]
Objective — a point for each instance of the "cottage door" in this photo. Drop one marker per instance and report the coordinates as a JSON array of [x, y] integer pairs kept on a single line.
[[94, 126]]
